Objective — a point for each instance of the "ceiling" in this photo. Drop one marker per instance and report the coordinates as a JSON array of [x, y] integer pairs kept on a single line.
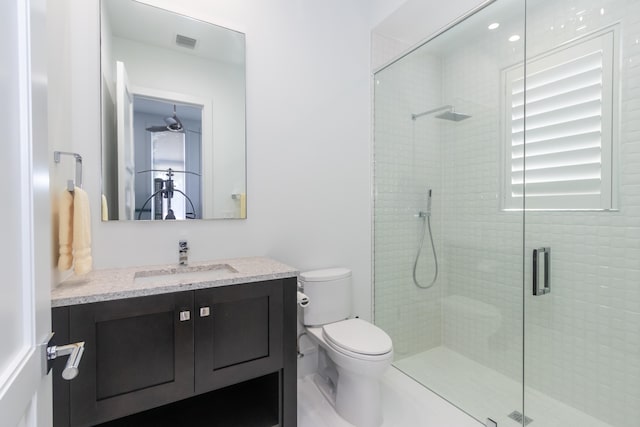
[[151, 25], [165, 109], [419, 20]]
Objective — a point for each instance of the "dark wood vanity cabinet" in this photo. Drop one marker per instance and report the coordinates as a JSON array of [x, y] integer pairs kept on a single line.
[[145, 352]]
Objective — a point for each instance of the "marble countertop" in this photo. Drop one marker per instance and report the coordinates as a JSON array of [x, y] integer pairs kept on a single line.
[[112, 284]]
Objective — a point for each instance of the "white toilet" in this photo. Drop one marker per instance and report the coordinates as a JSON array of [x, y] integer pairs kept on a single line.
[[353, 353]]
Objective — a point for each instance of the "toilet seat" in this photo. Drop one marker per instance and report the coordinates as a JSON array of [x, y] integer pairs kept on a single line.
[[358, 338]]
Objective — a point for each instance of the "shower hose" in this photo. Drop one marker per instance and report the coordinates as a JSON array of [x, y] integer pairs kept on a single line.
[[426, 217]]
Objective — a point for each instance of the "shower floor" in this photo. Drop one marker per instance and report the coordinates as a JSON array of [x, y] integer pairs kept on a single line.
[[483, 392]]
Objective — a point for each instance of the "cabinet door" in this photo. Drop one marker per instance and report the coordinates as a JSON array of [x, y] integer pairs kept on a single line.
[[138, 355], [241, 337]]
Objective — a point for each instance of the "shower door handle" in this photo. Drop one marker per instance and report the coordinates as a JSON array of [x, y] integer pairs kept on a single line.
[[545, 254]]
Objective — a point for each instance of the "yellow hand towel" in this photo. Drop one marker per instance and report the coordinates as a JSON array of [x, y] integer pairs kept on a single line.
[[81, 232], [65, 230], [243, 205]]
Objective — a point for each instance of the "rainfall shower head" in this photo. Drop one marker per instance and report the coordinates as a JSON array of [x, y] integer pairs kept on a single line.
[[448, 114], [452, 115]]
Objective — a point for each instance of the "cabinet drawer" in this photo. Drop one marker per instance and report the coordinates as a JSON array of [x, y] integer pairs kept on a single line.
[[241, 336], [138, 355]]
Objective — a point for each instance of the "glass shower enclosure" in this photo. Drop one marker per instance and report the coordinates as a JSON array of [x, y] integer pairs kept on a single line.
[[507, 212]]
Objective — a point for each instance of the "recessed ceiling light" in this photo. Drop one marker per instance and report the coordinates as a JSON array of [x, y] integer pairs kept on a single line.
[[493, 26], [514, 38]]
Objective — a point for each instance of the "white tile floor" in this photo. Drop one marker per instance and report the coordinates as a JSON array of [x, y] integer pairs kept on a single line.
[[483, 392], [405, 404], [480, 391]]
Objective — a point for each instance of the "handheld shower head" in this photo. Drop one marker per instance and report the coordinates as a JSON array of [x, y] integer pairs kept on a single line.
[[427, 212], [426, 225]]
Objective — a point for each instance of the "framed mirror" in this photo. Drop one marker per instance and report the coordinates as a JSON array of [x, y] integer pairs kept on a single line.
[[173, 116]]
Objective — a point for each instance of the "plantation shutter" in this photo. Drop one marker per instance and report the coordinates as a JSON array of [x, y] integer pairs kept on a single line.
[[569, 119]]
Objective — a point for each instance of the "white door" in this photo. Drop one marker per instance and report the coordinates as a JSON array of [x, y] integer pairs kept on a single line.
[[25, 308], [126, 156]]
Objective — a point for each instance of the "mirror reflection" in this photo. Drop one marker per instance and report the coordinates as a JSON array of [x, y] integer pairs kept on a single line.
[[173, 116]]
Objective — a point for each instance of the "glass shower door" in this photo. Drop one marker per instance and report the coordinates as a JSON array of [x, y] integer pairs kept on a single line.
[[448, 244], [582, 214]]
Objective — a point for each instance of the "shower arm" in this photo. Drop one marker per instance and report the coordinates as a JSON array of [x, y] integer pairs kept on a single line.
[[435, 110]]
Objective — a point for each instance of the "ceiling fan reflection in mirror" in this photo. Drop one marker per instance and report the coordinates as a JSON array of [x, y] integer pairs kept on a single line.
[[173, 124]]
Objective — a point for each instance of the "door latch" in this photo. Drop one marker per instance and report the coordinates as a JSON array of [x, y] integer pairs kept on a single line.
[[74, 351]]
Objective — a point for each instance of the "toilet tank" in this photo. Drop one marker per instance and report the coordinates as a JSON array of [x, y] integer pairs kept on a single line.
[[329, 293]]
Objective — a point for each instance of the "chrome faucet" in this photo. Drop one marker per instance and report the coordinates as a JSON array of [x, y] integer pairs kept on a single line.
[[183, 258]]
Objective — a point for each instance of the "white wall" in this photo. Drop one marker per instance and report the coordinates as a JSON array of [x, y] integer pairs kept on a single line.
[[308, 140]]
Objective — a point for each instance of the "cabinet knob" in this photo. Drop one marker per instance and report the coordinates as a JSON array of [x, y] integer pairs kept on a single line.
[[185, 316], [205, 311]]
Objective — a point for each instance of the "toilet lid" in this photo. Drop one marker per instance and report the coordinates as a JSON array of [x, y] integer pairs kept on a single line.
[[358, 336], [325, 275]]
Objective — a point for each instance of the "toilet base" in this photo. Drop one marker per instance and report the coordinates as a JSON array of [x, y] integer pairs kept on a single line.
[[356, 398], [327, 389]]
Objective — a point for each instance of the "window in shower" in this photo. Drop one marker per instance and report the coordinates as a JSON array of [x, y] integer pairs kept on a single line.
[[570, 127]]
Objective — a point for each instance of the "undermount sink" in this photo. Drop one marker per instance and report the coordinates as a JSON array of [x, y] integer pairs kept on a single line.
[[191, 274]]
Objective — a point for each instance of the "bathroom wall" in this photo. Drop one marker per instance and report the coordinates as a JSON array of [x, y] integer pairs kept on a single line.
[[308, 139]]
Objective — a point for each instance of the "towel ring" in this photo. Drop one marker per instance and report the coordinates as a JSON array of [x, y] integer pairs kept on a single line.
[[78, 182]]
